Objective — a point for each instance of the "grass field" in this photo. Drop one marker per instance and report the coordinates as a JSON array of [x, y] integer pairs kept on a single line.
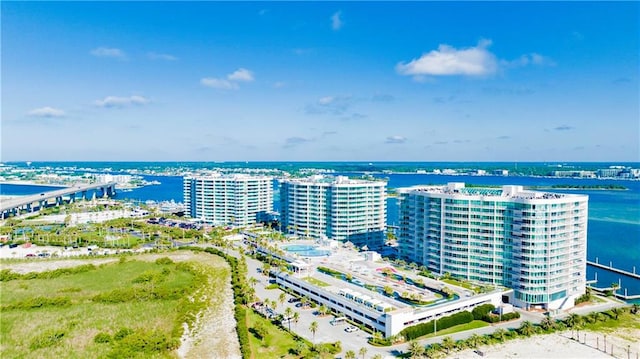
[[277, 343], [123, 309]]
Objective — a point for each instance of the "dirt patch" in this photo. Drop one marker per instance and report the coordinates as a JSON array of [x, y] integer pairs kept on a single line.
[[47, 265]]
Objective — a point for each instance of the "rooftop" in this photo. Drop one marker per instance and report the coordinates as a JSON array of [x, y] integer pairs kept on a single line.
[[507, 191], [330, 180]]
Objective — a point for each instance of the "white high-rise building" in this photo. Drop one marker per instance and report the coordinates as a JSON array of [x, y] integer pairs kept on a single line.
[[234, 199], [533, 242], [336, 208]]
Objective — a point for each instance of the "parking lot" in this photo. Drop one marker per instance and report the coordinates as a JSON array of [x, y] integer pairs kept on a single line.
[[326, 331]]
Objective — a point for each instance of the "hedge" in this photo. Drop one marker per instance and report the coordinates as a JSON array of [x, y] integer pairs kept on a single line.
[[416, 331], [481, 311]]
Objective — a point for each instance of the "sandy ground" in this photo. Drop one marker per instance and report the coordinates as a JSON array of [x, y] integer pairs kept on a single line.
[[558, 345], [214, 334]]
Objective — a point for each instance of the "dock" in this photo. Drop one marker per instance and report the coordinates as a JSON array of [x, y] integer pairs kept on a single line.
[[613, 269]]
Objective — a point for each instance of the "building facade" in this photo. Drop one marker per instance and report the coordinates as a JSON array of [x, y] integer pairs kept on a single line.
[[533, 242], [337, 208], [234, 199]]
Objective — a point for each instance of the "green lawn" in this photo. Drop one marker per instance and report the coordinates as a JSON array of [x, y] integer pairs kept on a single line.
[[68, 331], [277, 343], [316, 282], [458, 328]]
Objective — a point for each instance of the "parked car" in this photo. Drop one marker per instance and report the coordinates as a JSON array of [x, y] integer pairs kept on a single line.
[[351, 329], [293, 300]]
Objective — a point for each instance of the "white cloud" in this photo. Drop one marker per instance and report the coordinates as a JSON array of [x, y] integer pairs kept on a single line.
[[530, 59], [447, 61], [221, 84], [115, 101], [326, 100], [109, 52], [279, 84], [396, 139], [241, 75], [334, 105], [47, 112], [157, 56], [231, 82], [336, 21]]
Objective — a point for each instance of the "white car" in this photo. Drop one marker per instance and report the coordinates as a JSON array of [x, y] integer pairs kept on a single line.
[[351, 329]]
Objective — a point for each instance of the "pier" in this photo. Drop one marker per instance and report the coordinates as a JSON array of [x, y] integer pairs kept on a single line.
[[616, 270]]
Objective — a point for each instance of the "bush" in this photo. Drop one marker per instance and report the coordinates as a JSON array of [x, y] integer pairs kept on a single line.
[[122, 333], [146, 342], [102, 338], [481, 311], [48, 338], [39, 302], [164, 261]]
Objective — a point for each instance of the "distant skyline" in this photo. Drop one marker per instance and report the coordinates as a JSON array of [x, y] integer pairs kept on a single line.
[[320, 81]]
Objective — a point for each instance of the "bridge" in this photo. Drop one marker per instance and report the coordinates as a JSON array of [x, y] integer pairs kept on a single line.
[[38, 201]]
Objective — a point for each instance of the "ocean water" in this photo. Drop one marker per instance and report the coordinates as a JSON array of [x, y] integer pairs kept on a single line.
[[613, 231]]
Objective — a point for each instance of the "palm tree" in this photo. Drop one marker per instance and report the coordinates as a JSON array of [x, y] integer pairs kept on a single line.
[[448, 343], [547, 323], [350, 354], [362, 352], [416, 349], [616, 312], [296, 317], [526, 328], [473, 340], [281, 298], [614, 287], [377, 337], [313, 328], [252, 282], [377, 356], [288, 313], [500, 334], [573, 320]]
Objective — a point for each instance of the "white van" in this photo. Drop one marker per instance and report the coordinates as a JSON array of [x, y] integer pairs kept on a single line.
[[338, 321]]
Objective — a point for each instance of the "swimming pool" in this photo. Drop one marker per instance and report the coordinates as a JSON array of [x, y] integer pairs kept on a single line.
[[306, 250]]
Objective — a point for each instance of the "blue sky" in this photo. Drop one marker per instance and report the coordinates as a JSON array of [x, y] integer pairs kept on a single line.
[[321, 81]]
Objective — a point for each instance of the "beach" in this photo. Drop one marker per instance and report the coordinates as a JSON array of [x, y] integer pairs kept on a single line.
[[560, 345]]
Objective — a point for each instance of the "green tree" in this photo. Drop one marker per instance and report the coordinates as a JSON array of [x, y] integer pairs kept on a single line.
[[281, 298], [313, 328], [416, 350], [448, 343], [296, 317], [500, 335], [573, 320], [616, 312], [288, 313], [473, 340], [350, 354], [547, 323], [362, 352], [526, 328]]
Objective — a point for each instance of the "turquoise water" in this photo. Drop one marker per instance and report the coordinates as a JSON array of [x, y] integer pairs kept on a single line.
[[306, 250]]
